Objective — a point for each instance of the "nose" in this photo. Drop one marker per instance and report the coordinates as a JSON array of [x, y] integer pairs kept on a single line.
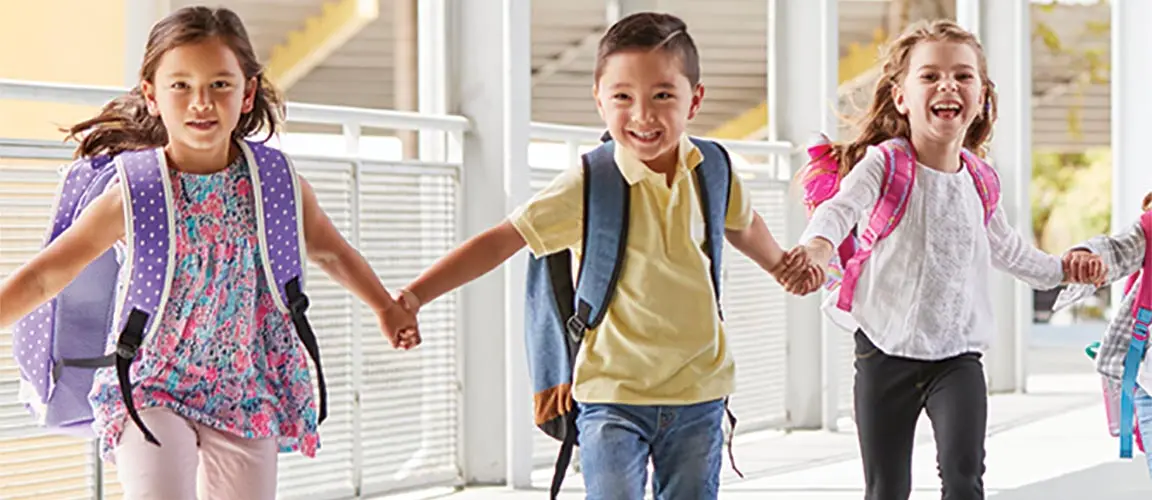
[[201, 101], [947, 84], [642, 112]]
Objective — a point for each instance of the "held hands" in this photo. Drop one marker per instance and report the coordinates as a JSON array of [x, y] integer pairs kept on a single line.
[[398, 321], [800, 272], [1084, 267]]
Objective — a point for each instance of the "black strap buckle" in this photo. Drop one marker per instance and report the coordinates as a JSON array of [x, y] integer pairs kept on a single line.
[[576, 328]]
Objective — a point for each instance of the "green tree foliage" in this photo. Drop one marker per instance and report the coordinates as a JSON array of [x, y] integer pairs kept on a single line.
[[1071, 197]]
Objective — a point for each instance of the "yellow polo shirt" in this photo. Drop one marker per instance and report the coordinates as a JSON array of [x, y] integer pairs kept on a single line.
[[661, 341]]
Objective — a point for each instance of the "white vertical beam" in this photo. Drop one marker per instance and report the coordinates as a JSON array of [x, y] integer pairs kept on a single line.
[[621, 8], [517, 97], [1004, 29], [1131, 112], [433, 72], [802, 95], [140, 15], [490, 84]]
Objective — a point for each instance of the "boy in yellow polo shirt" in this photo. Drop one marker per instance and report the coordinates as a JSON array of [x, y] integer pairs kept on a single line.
[[651, 379]]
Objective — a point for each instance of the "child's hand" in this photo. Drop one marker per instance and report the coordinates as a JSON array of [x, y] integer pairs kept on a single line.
[[1082, 266], [798, 273], [398, 322]]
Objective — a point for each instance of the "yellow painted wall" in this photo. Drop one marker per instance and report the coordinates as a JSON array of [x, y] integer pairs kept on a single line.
[[68, 41]]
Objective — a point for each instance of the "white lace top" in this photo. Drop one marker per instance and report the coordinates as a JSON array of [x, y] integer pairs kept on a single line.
[[924, 293]]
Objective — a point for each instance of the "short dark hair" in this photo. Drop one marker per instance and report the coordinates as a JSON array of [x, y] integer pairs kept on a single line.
[[653, 31]]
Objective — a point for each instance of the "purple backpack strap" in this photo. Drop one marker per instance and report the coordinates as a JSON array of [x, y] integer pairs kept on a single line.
[[987, 182], [149, 259], [280, 217], [896, 188]]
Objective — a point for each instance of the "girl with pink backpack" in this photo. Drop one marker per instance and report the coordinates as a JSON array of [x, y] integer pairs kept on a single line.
[[911, 210]]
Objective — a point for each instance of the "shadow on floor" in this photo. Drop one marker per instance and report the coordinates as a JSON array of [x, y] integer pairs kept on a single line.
[[1127, 480]]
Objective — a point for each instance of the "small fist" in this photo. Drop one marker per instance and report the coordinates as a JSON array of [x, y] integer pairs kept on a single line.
[[1082, 266]]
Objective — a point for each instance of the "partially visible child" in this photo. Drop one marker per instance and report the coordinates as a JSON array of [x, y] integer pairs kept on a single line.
[[1123, 254]]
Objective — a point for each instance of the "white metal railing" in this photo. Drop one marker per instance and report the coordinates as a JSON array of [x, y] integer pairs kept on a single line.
[[394, 416]]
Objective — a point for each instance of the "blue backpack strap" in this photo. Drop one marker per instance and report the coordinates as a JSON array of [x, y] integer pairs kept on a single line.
[[714, 181], [1142, 313], [559, 314], [281, 232], [606, 209], [149, 257]]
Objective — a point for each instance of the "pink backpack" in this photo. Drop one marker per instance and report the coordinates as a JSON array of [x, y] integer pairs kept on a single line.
[[822, 181]]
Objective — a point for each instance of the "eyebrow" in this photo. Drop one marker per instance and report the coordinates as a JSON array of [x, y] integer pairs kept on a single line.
[[185, 74], [958, 66], [661, 85]]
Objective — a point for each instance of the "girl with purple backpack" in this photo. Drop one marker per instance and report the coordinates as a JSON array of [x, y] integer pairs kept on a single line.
[[915, 285], [210, 382]]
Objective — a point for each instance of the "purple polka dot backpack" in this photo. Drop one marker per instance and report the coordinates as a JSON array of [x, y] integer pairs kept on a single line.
[[59, 346]]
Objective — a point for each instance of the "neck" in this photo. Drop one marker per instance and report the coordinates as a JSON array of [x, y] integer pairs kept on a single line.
[[665, 163], [936, 154], [204, 161]]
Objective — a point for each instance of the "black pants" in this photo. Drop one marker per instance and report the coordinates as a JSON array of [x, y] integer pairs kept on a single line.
[[891, 391]]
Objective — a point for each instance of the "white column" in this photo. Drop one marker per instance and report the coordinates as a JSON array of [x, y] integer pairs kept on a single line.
[[139, 15], [1004, 29], [1131, 112], [490, 84], [802, 81]]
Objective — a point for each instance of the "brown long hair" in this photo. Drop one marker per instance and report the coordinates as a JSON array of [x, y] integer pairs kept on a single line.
[[124, 123], [883, 121]]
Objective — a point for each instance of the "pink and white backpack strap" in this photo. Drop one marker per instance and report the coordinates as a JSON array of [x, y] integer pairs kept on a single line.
[[899, 175], [987, 182]]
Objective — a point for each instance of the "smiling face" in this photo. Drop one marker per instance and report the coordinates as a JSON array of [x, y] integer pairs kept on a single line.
[[646, 101], [199, 92], [941, 92]]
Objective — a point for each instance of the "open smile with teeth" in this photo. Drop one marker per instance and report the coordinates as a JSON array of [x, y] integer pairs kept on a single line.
[[202, 124], [645, 136], [947, 110]]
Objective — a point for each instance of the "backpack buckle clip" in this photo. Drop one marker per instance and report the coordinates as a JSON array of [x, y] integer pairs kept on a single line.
[[298, 304], [576, 328], [126, 350]]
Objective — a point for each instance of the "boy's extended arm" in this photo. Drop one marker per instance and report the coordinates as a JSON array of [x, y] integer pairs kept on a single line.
[[757, 242], [97, 228], [475, 258]]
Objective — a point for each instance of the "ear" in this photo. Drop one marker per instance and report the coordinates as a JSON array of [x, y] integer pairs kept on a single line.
[[148, 89], [898, 100], [697, 99], [596, 97], [250, 95]]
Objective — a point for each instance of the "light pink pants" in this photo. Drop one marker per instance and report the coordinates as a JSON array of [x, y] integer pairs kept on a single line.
[[193, 461]]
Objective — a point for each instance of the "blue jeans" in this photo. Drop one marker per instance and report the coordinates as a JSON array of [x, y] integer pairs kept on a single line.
[[684, 443], [1144, 417]]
